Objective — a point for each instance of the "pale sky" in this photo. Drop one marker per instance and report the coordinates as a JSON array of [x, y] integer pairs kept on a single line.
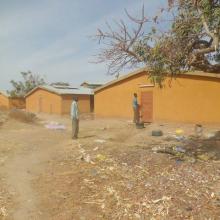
[[51, 37]]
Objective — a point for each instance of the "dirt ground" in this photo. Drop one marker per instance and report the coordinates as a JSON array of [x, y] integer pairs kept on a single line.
[[112, 172]]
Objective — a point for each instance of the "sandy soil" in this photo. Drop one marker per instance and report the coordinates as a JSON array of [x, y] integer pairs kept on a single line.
[[110, 172]]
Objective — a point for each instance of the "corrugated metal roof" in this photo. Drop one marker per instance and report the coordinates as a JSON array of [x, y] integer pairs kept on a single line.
[[64, 91], [93, 83], [63, 87], [69, 90]]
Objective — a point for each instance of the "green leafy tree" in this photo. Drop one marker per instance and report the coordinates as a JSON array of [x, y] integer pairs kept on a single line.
[[29, 82], [191, 42]]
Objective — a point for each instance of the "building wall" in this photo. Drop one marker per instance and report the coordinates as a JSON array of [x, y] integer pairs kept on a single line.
[[116, 100], [18, 103], [83, 103], [44, 101], [4, 102], [10, 103], [189, 99]]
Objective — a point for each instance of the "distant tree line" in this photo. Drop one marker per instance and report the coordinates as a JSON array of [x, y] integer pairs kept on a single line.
[[28, 82]]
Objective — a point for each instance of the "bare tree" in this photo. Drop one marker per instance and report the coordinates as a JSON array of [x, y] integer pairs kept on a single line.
[[191, 43], [120, 43]]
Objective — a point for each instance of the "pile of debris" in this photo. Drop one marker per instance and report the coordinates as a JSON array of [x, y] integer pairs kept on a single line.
[[182, 154], [191, 148], [105, 179], [22, 116], [145, 190]]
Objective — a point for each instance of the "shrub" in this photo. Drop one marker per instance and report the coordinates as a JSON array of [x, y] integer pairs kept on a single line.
[[22, 116]]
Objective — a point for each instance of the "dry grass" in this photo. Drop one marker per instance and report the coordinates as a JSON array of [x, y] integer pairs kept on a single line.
[[3, 117], [120, 177], [123, 178], [22, 116]]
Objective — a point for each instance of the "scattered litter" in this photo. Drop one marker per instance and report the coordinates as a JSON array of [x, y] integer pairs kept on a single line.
[[198, 130], [204, 157], [110, 190], [87, 158], [179, 137], [214, 136], [94, 172], [130, 186], [100, 141], [111, 168], [147, 184], [180, 149], [133, 183], [55, 126], [157, 133], [88, 181], [140, 125], [3, 212], [209, 135], [176, 151], [124, 164], [166, 150], [191, 160], [101, 157], [190, 151], [84, 156], [213, 195], [179, 131], [155, 149], [163, 199], [175, 137], [179, 161]]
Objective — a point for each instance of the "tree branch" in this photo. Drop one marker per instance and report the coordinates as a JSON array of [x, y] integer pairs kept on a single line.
[[205, 25]]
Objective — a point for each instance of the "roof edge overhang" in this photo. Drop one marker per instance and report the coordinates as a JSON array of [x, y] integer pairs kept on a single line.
[[127, 76], [52, 91], [4, 94], [39, 87], [147, 70]]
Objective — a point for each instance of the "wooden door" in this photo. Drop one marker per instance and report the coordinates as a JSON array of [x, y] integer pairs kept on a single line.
[[147, 106]]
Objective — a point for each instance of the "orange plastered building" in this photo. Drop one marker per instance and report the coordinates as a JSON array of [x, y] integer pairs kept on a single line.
[[192, 97], [7, 102], [57, 100]]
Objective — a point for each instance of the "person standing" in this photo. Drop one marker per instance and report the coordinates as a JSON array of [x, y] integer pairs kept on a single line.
[[75, 118], [136, 109]]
